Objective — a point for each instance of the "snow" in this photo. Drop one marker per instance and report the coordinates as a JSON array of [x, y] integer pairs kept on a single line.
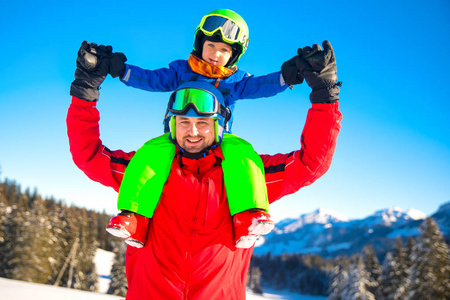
[[403, 233], [13, 290], [103, 262], [319, 216], [416, 214], [339, 246]]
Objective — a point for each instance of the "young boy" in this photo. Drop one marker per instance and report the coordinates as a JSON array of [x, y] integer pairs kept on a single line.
[[220, 40]]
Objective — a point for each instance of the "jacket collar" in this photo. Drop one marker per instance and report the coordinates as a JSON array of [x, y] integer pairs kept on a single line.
[[201, 67]]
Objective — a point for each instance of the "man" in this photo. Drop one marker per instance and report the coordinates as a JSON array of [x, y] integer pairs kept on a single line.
[[190, 251]]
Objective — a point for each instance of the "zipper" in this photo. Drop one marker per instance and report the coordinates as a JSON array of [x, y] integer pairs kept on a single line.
[[191, 240]]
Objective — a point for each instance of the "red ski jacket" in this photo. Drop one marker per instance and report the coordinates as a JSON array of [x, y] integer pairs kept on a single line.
[[189, 253]]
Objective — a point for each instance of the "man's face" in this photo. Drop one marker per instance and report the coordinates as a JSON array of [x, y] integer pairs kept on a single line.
[[216, 53], [194, 134]]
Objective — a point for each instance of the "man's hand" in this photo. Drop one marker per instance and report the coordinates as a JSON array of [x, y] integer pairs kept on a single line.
[[114, 61], [291, 73], [318, 67], [93, 64], [90, 73]]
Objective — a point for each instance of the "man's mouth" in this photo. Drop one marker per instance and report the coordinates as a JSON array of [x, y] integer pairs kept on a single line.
[[193, 140]]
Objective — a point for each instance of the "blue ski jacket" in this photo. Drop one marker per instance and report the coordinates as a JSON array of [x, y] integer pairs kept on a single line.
[[240, 85]]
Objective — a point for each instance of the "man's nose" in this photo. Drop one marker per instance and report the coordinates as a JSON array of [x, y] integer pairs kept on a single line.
[[193, 129]]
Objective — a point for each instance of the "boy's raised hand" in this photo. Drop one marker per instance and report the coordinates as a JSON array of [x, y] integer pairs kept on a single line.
[[114, 61], [318, 67], [290, 72]]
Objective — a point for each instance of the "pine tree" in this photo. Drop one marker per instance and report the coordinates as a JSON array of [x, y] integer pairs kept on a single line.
[[373, 269], [36, 246], [118, 285], [388, 278], [408, 253], [429, 276], [339, 277], [355, 287], [254, 280], [403, 263], [85, 275], [63, 239], [3, 215], [10, 245]]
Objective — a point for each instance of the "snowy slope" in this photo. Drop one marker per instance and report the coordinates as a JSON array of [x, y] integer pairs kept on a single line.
[[20, 290], [103, 262]]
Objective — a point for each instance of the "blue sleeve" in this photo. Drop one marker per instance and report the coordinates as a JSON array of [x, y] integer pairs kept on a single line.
[[252, 87], [160, 80]]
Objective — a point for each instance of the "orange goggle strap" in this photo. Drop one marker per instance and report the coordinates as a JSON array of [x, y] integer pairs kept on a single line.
[[201, 67]]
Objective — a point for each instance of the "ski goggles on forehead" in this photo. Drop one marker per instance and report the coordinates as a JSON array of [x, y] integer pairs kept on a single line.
[[202, 102], [231, 32]]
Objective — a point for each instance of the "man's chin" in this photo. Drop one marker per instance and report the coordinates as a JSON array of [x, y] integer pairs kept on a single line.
[[193, 148]]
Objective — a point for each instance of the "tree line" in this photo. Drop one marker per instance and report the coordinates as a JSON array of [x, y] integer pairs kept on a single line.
[[47, 241], [416, 270]]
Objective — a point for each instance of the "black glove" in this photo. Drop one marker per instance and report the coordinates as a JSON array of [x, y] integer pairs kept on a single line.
[[290, 72], [93, 64], [90, 73], [318, 67], [114, 60]]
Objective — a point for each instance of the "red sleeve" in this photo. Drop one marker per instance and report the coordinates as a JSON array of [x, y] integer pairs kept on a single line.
[[287, 173], [89, 154]]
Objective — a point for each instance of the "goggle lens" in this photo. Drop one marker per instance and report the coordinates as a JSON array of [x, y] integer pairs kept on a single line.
[[204, 102], [230, 30]]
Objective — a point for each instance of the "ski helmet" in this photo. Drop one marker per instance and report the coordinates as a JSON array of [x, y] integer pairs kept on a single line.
[[226, 26], [199, 99]]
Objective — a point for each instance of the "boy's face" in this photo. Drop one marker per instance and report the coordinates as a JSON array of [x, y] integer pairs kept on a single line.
[[216, 53]]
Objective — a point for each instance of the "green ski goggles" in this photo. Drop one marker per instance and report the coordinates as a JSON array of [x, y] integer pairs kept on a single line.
[[231, 31], [204, 103]]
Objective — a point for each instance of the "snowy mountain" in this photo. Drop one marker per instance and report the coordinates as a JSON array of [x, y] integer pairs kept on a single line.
[[329, 234], [320, 216], [442, 218]]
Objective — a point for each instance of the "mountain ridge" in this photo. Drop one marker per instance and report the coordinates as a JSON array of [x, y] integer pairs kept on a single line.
[[330, 234]]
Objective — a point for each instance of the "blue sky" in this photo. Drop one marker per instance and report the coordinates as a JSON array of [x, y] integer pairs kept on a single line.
[[394, 147]]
